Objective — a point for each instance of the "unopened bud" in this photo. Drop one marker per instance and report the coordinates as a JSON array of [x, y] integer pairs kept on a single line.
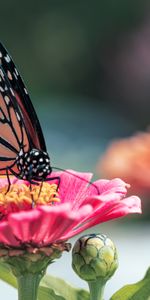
[[94, 257]]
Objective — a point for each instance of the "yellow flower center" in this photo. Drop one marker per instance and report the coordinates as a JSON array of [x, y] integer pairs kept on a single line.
[[22, 197]]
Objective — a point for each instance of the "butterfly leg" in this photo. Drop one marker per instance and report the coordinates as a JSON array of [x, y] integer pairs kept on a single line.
[[8, 179], [41, 185], [30, 187], [49, 179], [54, 178]]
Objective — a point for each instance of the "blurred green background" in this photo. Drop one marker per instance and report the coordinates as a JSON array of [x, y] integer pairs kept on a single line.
[[81, 63], [86, 65]]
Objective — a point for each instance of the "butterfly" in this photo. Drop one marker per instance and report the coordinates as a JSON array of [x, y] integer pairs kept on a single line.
[[23, 150]]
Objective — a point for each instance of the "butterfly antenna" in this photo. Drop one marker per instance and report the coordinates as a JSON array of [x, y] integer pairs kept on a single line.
[[66, 171]]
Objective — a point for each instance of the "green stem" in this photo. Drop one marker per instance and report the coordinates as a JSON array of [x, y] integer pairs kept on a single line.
[[96, 289], [28, 286]]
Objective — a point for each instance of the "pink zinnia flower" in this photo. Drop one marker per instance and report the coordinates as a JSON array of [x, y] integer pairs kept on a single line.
[[57, 216]]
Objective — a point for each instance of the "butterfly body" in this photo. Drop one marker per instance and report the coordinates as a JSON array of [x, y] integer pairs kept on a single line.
[[33, 165]]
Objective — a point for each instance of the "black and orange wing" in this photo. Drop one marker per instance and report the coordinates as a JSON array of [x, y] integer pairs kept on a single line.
[[13, 135], [22, 98]]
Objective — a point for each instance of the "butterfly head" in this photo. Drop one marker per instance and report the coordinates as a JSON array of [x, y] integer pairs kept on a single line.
[[34, 165]]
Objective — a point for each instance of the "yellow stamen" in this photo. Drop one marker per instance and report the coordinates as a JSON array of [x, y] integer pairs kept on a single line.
[[21, 197], [48, 194]]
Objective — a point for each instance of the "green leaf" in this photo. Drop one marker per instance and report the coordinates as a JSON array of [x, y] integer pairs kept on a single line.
[[64, 289], [6, 275], [51, 288], [46, 293], [137, 291]]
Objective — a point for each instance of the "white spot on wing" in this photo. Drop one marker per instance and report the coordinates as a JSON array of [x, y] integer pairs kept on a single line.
[[2, 116], [7, 58], [25, 91], [16, 72], [21, 152], [15, 76], [1, 89], [9, 75], [7, 100], [21, 161], [1, 72], [12, 92], [1, 55], [18, 117]]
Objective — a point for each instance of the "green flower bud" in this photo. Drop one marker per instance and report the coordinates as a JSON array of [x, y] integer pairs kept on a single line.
[[94, 257]]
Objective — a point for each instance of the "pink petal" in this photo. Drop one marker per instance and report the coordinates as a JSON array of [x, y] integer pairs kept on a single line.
[[105, 187], [73, 185], [24, 224], [109, 190], [107, 211], [63, 222], [43, 225], [6, 235]]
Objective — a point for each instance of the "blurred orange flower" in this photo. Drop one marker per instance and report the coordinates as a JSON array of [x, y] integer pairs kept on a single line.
[[129, 159]]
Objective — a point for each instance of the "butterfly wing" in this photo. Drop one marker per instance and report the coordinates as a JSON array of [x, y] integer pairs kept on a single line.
[[13, 135], [21, 95]]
